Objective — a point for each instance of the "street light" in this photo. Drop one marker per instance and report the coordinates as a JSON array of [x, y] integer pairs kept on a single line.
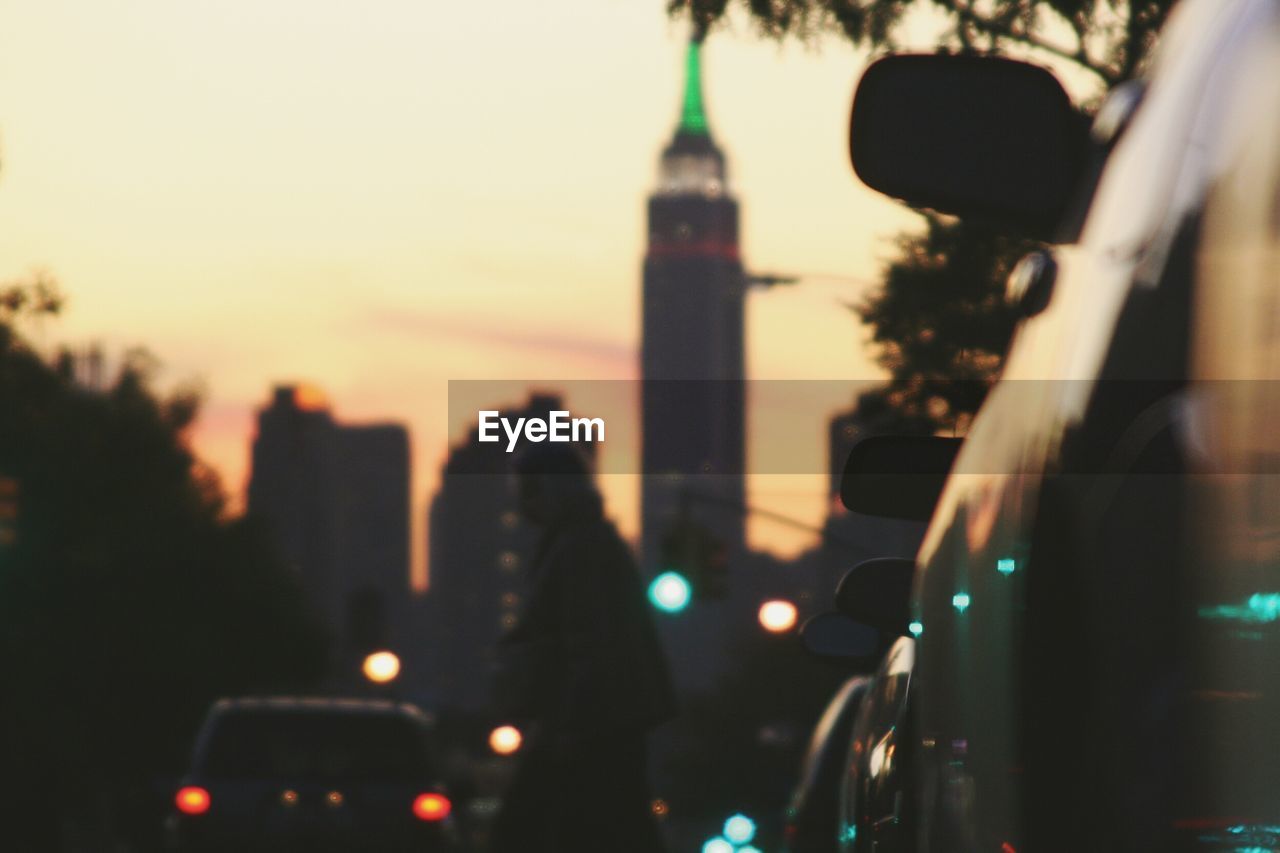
[[777, 616], [381, 667], [504, 740]]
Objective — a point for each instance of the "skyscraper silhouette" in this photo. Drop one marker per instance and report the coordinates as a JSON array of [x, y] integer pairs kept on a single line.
[[336, 499], [692, 359], [479, 547]]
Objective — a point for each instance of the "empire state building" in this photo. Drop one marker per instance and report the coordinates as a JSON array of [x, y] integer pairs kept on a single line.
[[692, 358]]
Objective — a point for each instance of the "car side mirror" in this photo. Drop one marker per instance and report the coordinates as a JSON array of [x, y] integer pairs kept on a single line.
[[897, 476], [834, 636], [982, 137], [877, 593]]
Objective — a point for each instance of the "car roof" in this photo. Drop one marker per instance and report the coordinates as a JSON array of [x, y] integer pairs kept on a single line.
[[327, 705]]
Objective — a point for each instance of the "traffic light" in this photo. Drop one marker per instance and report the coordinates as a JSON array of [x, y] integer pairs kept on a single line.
[[9, 491], [670, 592], [715, 568], [692, 552], [366, 627]]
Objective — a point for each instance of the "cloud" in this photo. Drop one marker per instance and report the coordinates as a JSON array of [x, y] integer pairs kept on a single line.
[[486, 333]]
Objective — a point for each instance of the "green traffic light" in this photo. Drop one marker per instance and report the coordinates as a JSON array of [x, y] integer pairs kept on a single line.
[[670, 592]]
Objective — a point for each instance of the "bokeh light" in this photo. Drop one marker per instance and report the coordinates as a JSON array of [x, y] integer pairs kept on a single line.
[[381, 667], [192, 800], [777, 616], [505, 740], [670, 592], [432, 807], [739, 829]]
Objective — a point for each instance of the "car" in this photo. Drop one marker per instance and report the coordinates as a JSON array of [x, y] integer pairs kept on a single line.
[[814, 809], [1094, 615], [864, 798], [312, 774]]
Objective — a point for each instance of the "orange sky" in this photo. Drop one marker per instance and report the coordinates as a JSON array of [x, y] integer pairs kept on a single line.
[[378, 198]]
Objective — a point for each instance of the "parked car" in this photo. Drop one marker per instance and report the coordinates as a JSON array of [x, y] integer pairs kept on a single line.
[[296, 774], [869, 792], [813, 813], [1094, 616]]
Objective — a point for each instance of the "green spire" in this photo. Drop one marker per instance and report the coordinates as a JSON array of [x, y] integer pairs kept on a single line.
[[693, 119]]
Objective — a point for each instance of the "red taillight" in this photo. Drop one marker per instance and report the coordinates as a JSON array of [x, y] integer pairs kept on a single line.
[[192, 800], [432, 807]]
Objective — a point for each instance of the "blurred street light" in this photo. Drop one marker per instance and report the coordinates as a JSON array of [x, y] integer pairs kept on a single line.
[[381, 667], [717, 845], [504, 740], [777, 616]]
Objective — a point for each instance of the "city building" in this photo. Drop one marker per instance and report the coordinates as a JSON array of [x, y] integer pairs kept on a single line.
[[336, 499], [693, 450], [478, 547]]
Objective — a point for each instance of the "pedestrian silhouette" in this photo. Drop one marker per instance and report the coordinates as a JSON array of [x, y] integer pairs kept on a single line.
[[582, 673]]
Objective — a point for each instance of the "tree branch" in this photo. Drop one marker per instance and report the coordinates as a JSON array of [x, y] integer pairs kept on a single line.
[[1003, 29]]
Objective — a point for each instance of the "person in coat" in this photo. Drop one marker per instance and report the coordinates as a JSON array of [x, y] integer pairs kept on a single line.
[[582, 673]]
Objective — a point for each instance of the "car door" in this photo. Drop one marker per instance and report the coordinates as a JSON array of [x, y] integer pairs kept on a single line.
[[1012, 636], [1233, 426]]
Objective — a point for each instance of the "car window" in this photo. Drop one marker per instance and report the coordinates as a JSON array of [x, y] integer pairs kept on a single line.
[[322, 747]]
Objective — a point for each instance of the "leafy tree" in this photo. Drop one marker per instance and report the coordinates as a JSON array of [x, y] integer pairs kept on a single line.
[[1107, 38], [939, 324], [940, 321], [128, 600]]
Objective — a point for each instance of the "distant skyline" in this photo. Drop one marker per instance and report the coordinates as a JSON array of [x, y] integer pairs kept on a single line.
[[379, 199]]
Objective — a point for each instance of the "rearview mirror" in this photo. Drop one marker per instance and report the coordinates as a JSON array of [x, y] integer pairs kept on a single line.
[[897, 476], [878, 593], [837, 637], [984, 137]]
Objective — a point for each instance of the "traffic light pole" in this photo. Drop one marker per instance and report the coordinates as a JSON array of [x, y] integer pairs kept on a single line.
[[687, 496]]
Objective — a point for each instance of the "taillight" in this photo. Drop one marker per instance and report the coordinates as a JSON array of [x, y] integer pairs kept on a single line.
[[192, 800], [432, 807]]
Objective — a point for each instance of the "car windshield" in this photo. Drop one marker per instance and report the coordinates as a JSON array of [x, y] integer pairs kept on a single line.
[[350, 747]]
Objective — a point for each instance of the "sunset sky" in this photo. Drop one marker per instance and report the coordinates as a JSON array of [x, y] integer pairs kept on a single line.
[[378, 198]]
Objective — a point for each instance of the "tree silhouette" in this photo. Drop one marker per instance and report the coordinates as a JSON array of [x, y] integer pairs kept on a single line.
[[1107, 38], [128, 600], [939, 323]]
